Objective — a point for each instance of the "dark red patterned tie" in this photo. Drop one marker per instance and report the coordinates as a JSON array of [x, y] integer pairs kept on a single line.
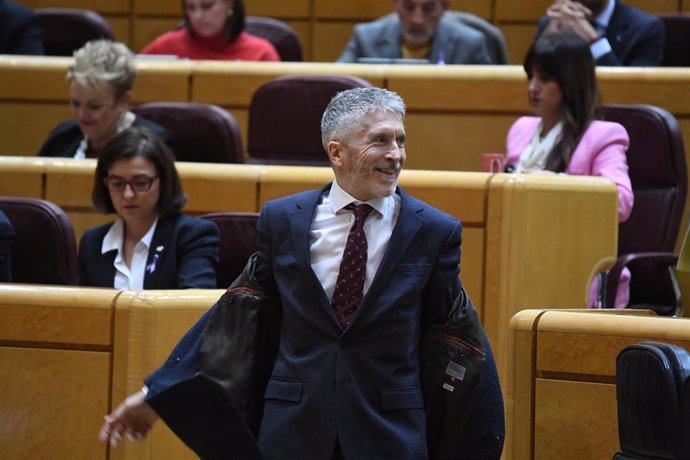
[[353, 268]]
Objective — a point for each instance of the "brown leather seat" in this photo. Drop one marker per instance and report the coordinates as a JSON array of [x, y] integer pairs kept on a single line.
[[44, 249], [237, 242], [280, 34], [200, 132], [285, 118], [65, 30], [646, 241]]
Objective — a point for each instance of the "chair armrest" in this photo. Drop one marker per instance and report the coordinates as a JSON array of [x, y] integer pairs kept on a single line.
[[613, 275]]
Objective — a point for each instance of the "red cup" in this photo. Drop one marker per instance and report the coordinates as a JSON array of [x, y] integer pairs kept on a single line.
[[493, 162]]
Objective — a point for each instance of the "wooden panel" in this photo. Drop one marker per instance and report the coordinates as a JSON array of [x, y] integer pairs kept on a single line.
[[353, 9], [279, 181], [69, 182], [212, 187], [483, 88], [121, 28], [518, 10], [303, 30], [211, 79], [575, 420], [459, 140], [519, 37], [100, 6], [159, 80], [148, 325], [28, 78], [279, 8], [21, 138], [147, 29], [665, 87], [588, 345], [330, 39], [157, 8], [527, 215], [463, 195], [52, 404], [55, 314], [21, 177]]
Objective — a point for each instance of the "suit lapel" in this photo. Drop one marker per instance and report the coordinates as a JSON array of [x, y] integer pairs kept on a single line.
[[158, 250], [406, 228], [618, 26], [300, 218], [389, 42]]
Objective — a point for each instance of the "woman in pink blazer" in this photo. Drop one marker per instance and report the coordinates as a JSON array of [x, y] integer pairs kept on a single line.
[[564, 137]]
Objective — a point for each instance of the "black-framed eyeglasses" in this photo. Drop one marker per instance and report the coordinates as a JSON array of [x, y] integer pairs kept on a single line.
[[139, 183]]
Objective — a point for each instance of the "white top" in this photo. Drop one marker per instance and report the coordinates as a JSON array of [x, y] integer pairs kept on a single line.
[[535, 154], [331, 226], [129, 277]]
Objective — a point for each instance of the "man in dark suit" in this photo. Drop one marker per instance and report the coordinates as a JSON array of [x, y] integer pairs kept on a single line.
[[418, 30], [359, 268], [18, 33], [6, 241], [619, 35]]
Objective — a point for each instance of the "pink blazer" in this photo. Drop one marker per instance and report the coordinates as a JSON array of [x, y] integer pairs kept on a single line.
[[601, 152]]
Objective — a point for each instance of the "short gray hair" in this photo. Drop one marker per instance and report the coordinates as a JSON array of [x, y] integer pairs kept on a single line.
[[347, 111], [103, 62]]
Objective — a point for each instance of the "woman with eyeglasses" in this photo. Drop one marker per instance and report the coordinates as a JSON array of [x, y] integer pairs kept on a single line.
[[151, 245]]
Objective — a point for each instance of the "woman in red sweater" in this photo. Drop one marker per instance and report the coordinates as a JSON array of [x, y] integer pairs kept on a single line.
[[213, 29]]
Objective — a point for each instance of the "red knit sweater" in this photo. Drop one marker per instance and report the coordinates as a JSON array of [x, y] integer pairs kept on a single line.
[[245, 47]]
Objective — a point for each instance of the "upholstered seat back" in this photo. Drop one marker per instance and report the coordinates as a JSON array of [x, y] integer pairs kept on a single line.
[[65, 30], [279, 33], [656, 161], [44, 249], [285, 118], [200, 132], [237, 242], [652, 395]]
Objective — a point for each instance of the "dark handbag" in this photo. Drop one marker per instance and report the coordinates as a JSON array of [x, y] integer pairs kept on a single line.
[[210, 390], [462, 395]]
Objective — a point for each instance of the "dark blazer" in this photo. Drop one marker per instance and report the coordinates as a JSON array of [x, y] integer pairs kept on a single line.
[[18, 33], [461, 44], [6, 241], [360, 385], [64, 139], [188, 259], [636, 38]]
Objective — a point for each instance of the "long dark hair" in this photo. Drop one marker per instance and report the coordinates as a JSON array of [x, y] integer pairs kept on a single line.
[[566, 57], [234, 24]]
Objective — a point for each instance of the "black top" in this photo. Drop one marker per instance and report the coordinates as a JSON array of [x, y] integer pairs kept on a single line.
[[6, 240], [64, 140]]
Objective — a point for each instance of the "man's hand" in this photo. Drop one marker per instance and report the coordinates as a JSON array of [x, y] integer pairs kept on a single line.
[[132, 418], [573, 16]]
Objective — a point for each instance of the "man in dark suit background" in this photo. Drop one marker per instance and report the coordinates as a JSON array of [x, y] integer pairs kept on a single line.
[[618, 34], [346, 380], [18, 33], [418, 30]]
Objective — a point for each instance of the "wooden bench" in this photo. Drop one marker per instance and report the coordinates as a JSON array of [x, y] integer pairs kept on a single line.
[[560, 387]]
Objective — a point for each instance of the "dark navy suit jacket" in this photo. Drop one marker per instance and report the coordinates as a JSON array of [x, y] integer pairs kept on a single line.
[[18, 33], [362, 384], [188, 258], [636, 38], [6, 241]]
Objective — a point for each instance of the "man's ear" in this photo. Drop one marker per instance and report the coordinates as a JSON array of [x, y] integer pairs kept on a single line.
[[445, 4], [335, 152], [126, 98]]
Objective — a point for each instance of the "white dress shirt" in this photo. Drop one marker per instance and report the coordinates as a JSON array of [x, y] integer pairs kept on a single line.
[[128, 277], [331, 226]]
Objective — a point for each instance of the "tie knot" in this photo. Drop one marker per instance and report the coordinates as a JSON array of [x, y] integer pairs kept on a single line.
[[361, 211]]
